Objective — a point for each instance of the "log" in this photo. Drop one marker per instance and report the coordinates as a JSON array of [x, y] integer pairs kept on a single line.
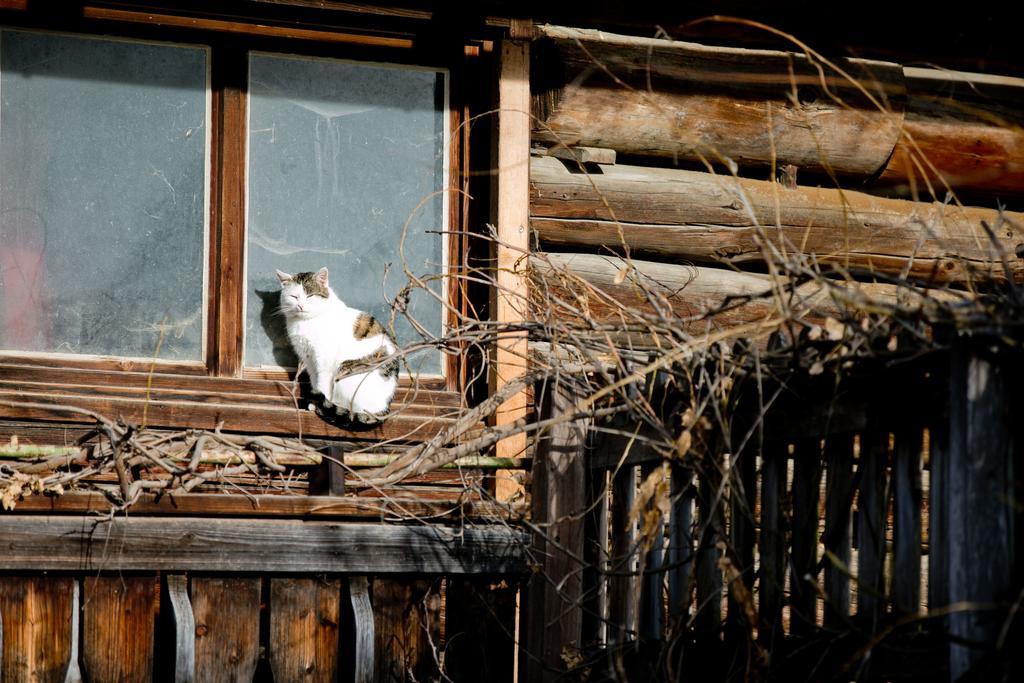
[[690, 215], [694, 294], [680, 100], [963, 131]]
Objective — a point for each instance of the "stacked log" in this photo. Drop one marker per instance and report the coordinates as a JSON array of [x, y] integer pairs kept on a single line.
[[850, 122]]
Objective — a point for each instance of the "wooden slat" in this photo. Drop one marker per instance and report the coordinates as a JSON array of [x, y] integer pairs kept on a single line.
[[248, 28], [983, 538], [74, 672], [806, 483], [677, 214], [838, 504], [772, 543], [559, 499], [187, 414], [119, 616], [512, 220], [906, 488], [406, 614], [364, 639], [872, 506], [408, 506], [227, 616], [711, 523], [938, 515], [184, 629], [622, 559], [651, 617], [594, 618], [35, 639], [680, 545], [479, 615], [242, 545], [683, 101], [742, 503], [305, 615]]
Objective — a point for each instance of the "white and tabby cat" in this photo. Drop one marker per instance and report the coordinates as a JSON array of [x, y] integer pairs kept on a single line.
[[345, 351]]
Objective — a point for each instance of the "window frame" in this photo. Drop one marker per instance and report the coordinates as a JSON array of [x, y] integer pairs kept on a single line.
[[219, 389]]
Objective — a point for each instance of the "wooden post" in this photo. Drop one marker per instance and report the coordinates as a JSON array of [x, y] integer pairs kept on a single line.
[[981, 514], [772, 543], [513, 216], [559, 503]]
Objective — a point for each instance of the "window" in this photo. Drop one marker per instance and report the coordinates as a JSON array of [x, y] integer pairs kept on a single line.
[[151, 185]]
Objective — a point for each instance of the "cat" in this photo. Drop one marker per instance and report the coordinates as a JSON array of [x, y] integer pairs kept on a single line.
[[347, 354]]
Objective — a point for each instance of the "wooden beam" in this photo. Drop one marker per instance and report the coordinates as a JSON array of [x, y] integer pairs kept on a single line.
[[690, 215], [512, 241], [245, 545], [679, 100]]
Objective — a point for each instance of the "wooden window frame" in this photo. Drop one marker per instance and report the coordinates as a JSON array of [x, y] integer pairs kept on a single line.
[[219, 391]]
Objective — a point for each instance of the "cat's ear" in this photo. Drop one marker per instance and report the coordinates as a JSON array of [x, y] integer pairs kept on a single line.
[[283, 277], [321, 276]]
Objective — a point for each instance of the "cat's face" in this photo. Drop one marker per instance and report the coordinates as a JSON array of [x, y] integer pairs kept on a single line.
[[303, 295]]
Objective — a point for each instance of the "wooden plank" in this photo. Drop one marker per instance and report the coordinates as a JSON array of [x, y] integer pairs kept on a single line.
[[512, 220], [36, 612], [406, 615], [679, 214], [838, 506], [742, 504], [594, 599], [227, 616], [479, 634], [74, 672], [184, 629], [622, 587], [118, 623], [872, 507], [249, 28], [243, 545], [559, 500], [364, 657], [306, 507], [680, 545], [682, 101], [651, 617], [772, 544], [803, 573], [984, 437], [906, 487], [938, 514], [711, 523], [304, 629]]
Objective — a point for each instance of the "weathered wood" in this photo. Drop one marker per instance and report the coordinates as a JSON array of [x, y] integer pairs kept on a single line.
[[227, 616], [838, 504], [559, 499], [304, 629], [622, 587], [906, 489], [363, 655], [242, 545], [479, 635], [34, 642], [938, 514], [408, 505], [711, 522], [406, 615], [982, 516], [680, 547], [594, 621], [742, 503], [803, 575], [118, 620], [584, 285], [74, 672], [512, 243], [679, 100], [184, 629], [680, 214], [872, 520], [772, 544], [962, 131]]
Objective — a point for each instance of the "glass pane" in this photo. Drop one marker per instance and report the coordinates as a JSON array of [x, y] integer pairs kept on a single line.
[[102, 196], [341, 157]]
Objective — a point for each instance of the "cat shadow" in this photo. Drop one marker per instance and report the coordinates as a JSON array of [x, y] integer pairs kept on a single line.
[[274, 325]]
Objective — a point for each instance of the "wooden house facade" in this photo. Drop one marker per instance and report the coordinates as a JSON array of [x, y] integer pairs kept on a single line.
[[708, 346]]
